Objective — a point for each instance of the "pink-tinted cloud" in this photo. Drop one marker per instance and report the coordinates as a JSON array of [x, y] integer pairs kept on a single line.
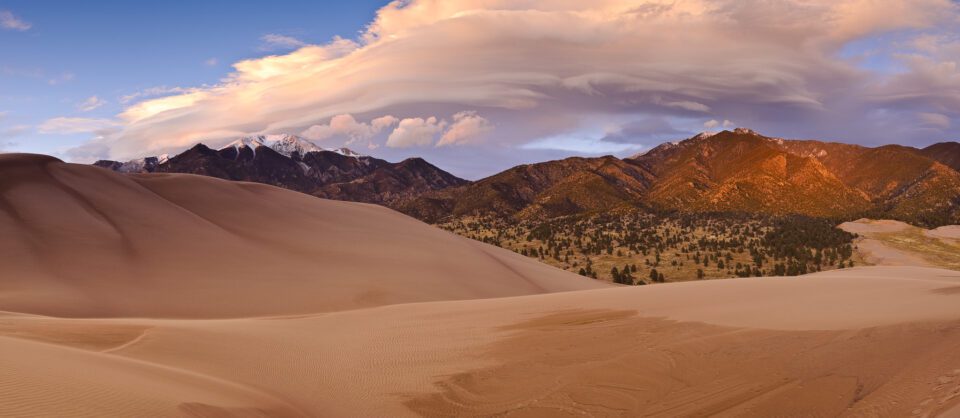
[[11, 22], [467, 127], [542, 68], [347, 127], [412, 132]]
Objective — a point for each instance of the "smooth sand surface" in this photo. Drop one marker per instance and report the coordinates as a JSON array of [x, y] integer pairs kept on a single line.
[[894, 243], [875, 340], [868, 341], [948, 231], [80, 241], [874, 251], [872, 226]]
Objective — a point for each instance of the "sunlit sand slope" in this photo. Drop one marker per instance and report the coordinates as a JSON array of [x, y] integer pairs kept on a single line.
[[83, 241]]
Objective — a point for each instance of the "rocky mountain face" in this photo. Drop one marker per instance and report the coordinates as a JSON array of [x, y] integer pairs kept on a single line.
[[294, 163], [729, 171], [548, 189]]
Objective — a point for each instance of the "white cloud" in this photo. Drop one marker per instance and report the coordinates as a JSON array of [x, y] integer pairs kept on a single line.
[[64, 125], [91, 103], [347, 127], [467, 126], [211, 62], [11, 22], [415, 132], [758, 62], [272, 41], [712, 123]]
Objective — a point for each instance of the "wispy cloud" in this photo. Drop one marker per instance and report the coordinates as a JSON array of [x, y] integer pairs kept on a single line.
[[91, 103], [151, 93], [547, 69], [14, 131], [64, 77], [11, 22], [273, 41], [211, 62], [65, 126]]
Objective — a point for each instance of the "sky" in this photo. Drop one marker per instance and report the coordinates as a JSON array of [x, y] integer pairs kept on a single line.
[[473, 86]]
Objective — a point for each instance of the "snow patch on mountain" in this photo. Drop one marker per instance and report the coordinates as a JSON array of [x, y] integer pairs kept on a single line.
[[285, 144]]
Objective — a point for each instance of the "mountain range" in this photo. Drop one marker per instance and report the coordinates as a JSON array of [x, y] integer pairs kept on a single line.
[[295, 163], [728, 171]]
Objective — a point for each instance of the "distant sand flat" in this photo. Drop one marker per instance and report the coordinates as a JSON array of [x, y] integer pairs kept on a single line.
[[894, 243], [949, 231], [186, 296]]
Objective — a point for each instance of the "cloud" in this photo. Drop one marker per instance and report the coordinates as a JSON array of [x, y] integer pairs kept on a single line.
[[89, 152], [3, 115], [60, 79], [545, 69], [152, 92], [346, 126], [467, 127], [91, 103], [10, 22], [415, 132], [936, 120], [14, 131], [211, 62], [643, 130], [713, 123], [64, 126], [272, 41]]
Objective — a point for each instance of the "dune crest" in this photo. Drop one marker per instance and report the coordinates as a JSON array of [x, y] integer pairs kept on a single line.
[[81, 241]]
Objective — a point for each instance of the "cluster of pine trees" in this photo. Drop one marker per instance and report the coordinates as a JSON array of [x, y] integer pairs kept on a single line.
[[684, 246]]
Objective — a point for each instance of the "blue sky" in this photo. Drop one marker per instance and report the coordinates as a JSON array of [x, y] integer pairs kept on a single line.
[[472, 86], [111, 49]]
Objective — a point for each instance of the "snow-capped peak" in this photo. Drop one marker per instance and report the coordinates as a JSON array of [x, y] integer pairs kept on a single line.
[[347, 152], [251, 142], [705, 134], [288, 144], [285, 144]]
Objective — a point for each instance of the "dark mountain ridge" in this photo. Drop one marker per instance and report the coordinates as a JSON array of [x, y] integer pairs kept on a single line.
[[335, 174]]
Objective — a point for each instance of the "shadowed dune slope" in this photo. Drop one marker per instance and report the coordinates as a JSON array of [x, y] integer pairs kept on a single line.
[[81, 241]]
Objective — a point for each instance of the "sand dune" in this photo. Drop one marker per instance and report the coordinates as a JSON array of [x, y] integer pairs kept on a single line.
[[82, 241], [874, 341], [187, 296]]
